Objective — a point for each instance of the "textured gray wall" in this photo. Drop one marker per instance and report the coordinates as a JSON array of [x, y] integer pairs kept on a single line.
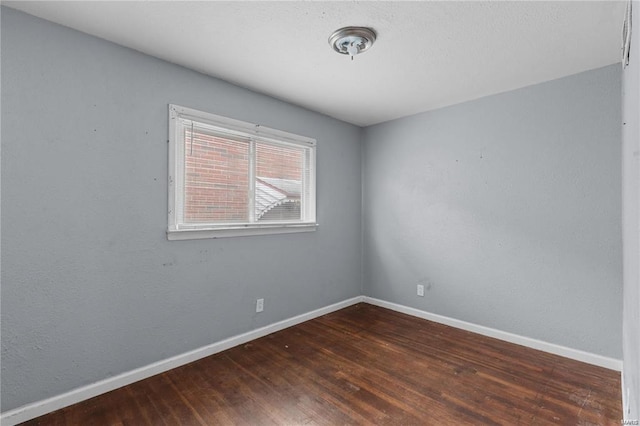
[[90, 285], [507, 209], [631, 224]]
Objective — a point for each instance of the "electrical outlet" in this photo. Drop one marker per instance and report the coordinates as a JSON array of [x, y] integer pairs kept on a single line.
[[420, 290], [259, 305]]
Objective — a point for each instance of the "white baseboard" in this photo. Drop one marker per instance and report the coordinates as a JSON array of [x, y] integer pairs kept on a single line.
[[599, 360], [36, 409]]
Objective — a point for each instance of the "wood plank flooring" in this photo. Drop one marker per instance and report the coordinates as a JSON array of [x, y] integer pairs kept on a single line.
[[364, 365]]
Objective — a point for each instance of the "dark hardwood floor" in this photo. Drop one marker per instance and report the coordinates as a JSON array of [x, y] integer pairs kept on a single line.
[[364, 365]]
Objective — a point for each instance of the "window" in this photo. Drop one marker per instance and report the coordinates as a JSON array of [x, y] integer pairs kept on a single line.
[[230, 178]]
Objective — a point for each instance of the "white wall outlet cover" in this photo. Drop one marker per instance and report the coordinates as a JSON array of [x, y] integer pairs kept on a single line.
[[420, 290]]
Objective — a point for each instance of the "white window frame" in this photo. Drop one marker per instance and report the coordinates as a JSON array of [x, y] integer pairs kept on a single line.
[[178, 230]]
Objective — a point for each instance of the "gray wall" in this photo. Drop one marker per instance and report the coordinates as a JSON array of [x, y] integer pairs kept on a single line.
[[90, 285], [631, 225], [507, 209]]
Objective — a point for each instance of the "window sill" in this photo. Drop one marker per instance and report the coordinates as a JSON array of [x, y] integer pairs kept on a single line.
[[240, 231]]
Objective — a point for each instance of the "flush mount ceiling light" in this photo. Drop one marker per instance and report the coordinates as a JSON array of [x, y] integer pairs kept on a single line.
[[352, 40]]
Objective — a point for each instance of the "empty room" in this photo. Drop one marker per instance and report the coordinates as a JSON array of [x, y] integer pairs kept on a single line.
[[300, 213]]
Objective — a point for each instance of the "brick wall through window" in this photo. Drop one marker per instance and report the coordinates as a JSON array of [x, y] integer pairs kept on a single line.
[[216, 181]]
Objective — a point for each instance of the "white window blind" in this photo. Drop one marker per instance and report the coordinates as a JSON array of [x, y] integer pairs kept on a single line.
[[232, 178]]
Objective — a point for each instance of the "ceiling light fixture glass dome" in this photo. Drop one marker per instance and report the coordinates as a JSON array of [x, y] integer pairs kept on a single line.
[[352, 40]]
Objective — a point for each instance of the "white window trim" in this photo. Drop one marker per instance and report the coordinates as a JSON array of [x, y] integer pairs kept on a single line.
[[180, 231]]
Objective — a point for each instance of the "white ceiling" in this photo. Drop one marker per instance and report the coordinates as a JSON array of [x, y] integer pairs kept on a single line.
[[428, 54]]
